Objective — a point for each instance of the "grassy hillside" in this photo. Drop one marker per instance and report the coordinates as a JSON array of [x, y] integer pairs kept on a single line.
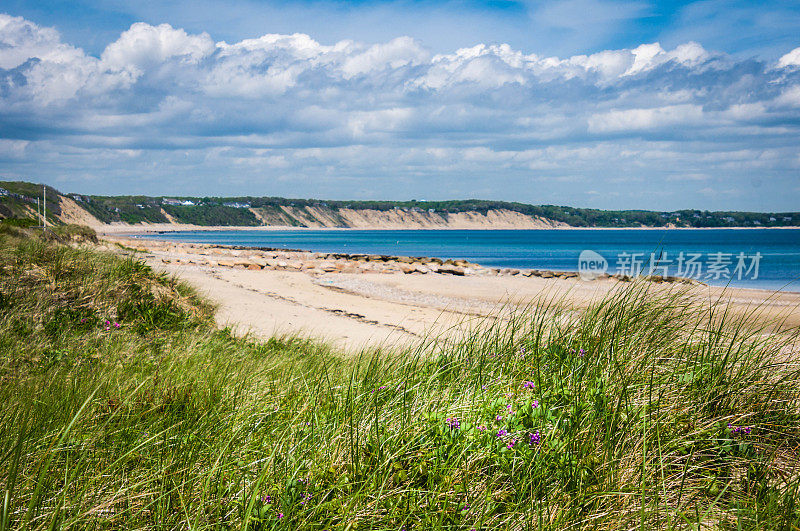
[[18, 200], [125, 208], [123, 407]]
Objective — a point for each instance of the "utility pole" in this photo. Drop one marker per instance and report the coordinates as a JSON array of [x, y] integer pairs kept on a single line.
[[44, 206], [38, 210]]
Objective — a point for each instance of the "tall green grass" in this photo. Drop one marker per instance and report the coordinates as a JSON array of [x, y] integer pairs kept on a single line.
[[645, 411]]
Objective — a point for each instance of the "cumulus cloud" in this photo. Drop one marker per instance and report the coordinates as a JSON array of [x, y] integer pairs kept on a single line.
[[144, 46], [790, 59], [21, 40], [287, 108]]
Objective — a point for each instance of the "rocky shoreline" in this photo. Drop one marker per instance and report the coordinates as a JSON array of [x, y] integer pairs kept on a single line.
[[313, 263]]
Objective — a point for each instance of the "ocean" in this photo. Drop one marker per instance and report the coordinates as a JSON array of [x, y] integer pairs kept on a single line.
[[750, 258]]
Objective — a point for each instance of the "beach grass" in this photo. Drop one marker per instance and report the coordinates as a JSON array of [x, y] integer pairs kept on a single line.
[[122, 406]]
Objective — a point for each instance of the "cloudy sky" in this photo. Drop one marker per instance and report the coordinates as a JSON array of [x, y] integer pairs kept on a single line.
[[597, 103]]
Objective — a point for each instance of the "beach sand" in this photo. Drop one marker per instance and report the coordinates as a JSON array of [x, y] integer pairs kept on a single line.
[[355, 305]]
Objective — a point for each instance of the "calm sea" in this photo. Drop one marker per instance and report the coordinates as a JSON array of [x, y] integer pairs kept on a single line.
[[757, 258]]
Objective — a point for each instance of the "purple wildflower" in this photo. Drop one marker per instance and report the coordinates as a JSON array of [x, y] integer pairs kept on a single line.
[[535, 404], [481, 428], [502, 433], [581, 352], [740, 429], [534, 438], [528, 385], [280, 515], [266, 499], [116, 325], [453, 423], [511, 444], [498, 418]]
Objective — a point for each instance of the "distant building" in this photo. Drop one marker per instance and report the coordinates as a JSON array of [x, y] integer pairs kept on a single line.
[[176, 202], [787, 218], [3, 191], [728, 219], [772, 220], [237, 205], [756, 222]]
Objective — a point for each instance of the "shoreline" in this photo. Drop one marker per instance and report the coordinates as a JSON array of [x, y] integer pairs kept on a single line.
[[134, 230], [450, 260], [355, 301]]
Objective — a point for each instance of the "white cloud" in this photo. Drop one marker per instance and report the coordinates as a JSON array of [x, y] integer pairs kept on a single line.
[[396, 53], [144, 46], [790, 97], [12, 149], [284, 104], [21, 40], [790, 59], [645, 119]]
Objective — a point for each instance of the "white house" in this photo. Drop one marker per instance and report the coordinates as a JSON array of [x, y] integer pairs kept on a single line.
[[176, 202]]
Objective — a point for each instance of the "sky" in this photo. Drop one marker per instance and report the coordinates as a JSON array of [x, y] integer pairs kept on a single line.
[[590, 103]]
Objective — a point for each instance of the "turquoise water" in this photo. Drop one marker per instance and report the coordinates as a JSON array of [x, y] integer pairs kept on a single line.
[[710, 255]]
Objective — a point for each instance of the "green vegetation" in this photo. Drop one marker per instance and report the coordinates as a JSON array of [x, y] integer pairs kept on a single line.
[[207, 211], [18, 200], [125, 208], [123, 407], [213, 215]]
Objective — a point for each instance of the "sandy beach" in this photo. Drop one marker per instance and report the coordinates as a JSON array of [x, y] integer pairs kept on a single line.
[[388, 301]]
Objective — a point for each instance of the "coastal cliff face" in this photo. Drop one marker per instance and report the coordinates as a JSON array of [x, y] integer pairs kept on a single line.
[[22, 200], [322, 217]]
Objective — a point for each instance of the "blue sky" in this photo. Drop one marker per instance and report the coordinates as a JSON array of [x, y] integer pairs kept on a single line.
[[598, 103]]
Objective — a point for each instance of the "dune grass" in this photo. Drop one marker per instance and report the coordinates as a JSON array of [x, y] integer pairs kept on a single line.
[[122, 407]]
